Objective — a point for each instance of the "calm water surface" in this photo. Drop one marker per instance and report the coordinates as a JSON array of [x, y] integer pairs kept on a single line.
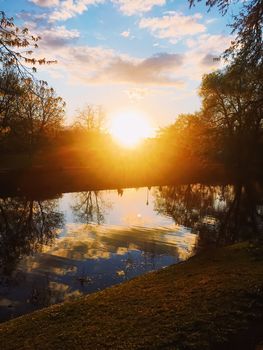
[[58, 249]]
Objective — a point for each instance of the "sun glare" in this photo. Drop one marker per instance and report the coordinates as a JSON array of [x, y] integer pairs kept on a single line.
[[130, 128]]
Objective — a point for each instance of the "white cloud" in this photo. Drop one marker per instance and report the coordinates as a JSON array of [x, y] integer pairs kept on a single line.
[[211, 20], [70, 8], [58, 36], [173, 26], [66, 9], [159, 69], [132, 7], [201, 58], [45, 3], [210, 43], [52, 37], [126, 33], [97, 65]]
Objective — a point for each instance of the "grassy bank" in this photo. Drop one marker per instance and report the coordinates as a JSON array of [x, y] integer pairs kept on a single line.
[[212, 301]]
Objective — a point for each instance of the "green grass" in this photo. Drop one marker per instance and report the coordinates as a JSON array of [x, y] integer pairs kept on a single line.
[[210, 300]]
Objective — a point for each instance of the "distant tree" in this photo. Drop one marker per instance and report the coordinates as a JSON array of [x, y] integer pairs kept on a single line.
[[90, 118], [247, 47]]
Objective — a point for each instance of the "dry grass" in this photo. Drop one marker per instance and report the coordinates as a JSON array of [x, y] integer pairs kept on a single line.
[[209, 302]]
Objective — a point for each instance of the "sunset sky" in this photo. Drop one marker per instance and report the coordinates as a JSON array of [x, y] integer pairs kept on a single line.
[[147, 55]]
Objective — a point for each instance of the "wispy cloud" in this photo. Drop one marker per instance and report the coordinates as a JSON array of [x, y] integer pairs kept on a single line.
[[173, 26], [66, 9], [202, 54], [69, 8], [138, 93], [53, 36], [45, 3], [59, 36], [211, 20], [132, 7], [126, 33], [158, 69], [212, 43], [97, 65]]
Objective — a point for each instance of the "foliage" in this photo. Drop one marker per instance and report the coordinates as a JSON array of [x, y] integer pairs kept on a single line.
[[29, 111], [17, 46], [227, 131], [232, 107], [184, 138]]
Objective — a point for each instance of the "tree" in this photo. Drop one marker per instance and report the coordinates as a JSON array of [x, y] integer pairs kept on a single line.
[[90, 118], [41, 112], [232, 107], [247, 48], [17, 63], [30, 111], [186, 143], [17, 46], [10, 90]]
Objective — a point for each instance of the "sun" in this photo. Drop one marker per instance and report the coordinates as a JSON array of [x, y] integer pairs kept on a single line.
[[129, 128]]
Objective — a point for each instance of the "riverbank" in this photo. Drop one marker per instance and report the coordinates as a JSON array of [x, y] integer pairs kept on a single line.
[[75, 168], [48, 182], [212, 301]]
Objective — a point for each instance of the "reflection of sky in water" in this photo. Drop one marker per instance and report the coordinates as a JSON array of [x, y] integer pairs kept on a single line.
[[126, 210], [89, 257]]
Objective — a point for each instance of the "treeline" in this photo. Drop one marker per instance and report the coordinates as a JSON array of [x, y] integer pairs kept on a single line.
[[227, 131], [222, 140]]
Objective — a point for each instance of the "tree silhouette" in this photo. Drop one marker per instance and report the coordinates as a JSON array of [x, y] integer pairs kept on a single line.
[[232, 107], [91, 118], [30, 112], [17, 47]]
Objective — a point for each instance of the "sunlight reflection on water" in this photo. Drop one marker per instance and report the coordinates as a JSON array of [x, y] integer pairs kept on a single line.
[[130, 240]]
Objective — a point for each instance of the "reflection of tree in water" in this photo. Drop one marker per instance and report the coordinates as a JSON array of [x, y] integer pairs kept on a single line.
[[220, 214], [90, 207], [25, 226]]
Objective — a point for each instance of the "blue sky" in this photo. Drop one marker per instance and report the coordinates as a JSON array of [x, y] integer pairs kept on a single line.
[[147, 55]]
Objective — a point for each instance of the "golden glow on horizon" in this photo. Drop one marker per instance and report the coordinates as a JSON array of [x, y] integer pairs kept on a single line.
[[129, 128]]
